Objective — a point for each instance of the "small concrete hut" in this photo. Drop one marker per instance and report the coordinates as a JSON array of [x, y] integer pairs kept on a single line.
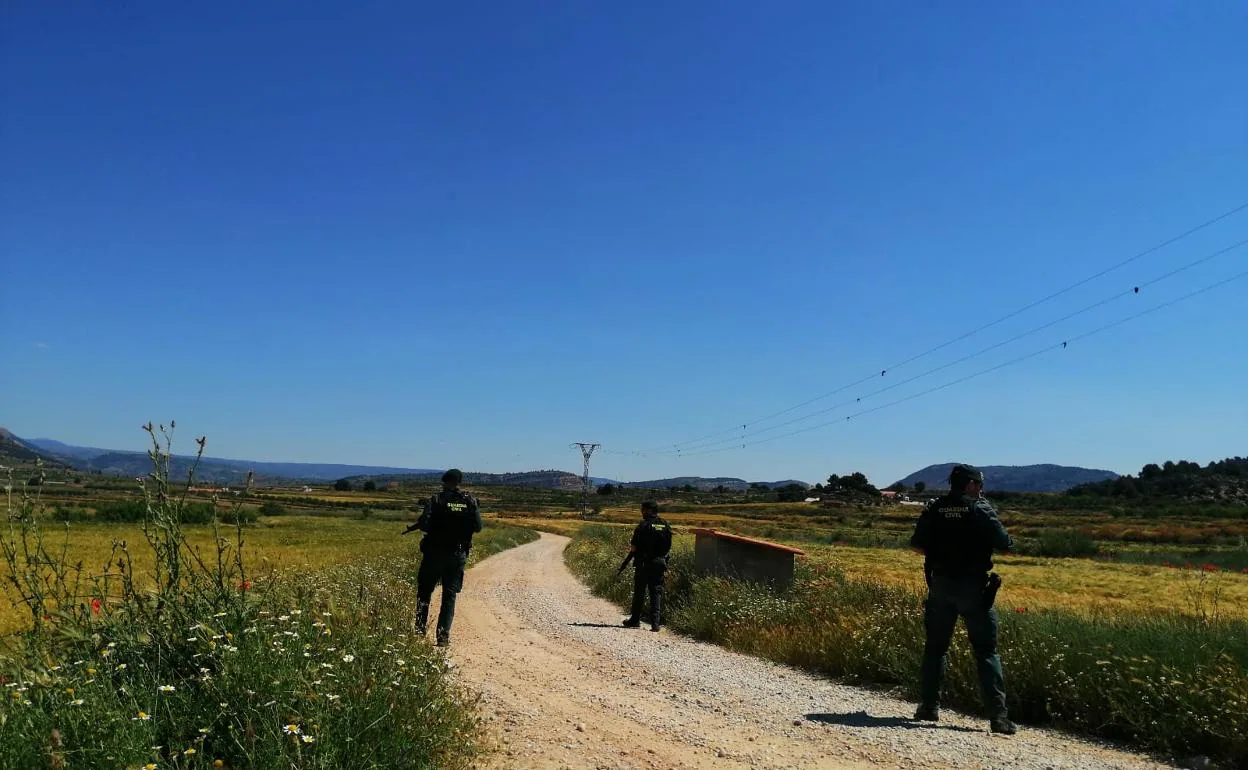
[[744, 557]]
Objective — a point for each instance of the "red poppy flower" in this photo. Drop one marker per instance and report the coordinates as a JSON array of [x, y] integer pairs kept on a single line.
[[1020, 609], [95, 606], [1211, 568], [243, 586]]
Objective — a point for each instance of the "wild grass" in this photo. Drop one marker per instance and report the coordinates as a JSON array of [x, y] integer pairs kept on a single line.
[[1165, 681], [1091, 588], [190, 658]]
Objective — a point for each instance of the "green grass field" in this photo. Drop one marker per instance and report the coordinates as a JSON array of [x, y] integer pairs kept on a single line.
[[1168, 681], [1168, 637]]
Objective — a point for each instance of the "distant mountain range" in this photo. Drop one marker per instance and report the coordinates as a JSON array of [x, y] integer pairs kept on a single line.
[[702, 484], [211, 469], [546, 479], [218, 470], [17, 452], [1015, 478]]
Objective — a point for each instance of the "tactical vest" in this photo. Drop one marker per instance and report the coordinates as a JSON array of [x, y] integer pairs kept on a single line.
[[959, 539], [654, 539], [451, 523]]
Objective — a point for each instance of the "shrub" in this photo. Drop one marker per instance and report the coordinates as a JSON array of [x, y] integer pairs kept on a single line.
[[129, 510], [70, 513], [270, 508], [1065, 542]]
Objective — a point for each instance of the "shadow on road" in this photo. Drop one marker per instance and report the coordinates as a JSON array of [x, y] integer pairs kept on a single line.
[[597, 625], [863, 719]]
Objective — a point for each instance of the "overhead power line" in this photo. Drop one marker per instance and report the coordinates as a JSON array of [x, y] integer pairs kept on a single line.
[[1056, 346], [738, 440], [673, 447]]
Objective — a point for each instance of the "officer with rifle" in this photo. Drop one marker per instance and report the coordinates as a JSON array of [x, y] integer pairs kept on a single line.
[[958, 533], [652, 541], [449, 520]]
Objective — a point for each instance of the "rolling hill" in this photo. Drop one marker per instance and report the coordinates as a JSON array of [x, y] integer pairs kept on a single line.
[[211, 469], [548, 479], [228, 471], [1222, 482], [18, 454], [708, 484], [1015, 478]]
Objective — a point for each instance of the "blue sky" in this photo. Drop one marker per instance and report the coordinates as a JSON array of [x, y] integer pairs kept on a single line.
[[470, 234]]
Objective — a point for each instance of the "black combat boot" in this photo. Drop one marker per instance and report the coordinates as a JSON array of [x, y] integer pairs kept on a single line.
[[1002, 724], [632, 623], [927, 713]]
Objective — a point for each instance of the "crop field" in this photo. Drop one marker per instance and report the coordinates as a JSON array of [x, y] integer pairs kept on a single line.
[[1139, 671], [1089, 587], [278, 543]]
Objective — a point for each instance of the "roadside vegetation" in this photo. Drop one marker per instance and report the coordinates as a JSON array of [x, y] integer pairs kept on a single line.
[[1170, 682], [182, 651]]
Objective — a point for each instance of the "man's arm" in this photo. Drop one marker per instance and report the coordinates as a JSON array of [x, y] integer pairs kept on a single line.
[[1001, 540], [477, 523], [919, 540]]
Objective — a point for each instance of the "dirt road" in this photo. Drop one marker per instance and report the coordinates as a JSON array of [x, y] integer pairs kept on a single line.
[[564, 686]]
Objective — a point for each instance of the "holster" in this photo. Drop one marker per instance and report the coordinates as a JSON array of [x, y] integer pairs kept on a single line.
[[991, 586]]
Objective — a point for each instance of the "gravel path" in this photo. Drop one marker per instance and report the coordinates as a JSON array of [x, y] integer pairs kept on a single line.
[[564, 686]]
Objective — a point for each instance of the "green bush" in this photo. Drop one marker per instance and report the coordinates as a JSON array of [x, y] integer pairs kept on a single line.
[[270, 508], [1165, 682], [70, 513], [128, 510], [1065, 543]]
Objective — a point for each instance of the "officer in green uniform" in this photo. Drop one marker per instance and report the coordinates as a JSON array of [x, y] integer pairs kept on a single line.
[[957, 534], [652, 541], [449, 520]]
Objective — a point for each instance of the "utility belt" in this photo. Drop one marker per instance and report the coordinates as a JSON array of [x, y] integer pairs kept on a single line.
[[990, 581], [432, 545]]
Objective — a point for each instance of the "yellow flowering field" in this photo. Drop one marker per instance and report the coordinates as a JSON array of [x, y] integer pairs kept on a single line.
[[279, 542]]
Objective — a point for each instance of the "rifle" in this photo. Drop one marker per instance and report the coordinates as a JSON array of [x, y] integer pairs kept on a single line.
[[991, 587], [422, 522], [624, 563]]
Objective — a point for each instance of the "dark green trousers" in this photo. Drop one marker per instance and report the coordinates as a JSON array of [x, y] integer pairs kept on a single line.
[[446, 568], [947, 600], [648, 578]]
